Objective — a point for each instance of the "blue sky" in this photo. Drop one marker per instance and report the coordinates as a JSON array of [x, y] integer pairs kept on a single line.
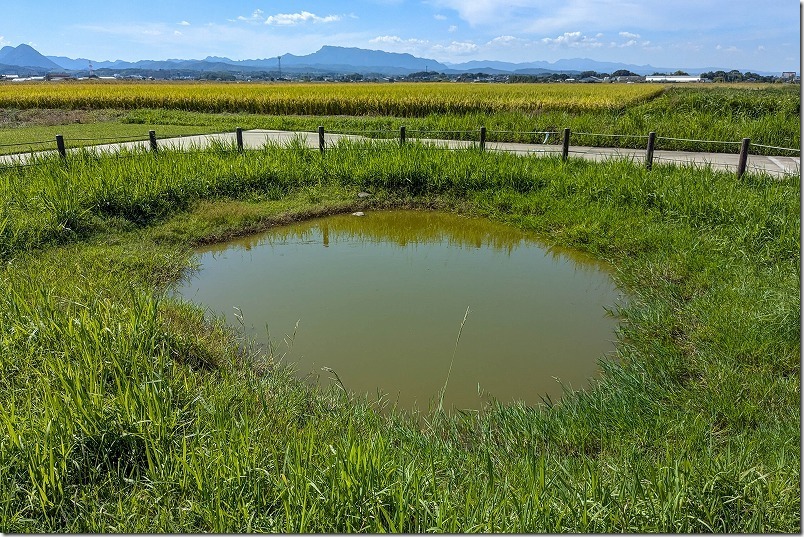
[[759, 35]]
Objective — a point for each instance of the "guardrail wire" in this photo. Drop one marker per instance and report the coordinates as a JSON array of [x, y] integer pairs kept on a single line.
[[463, 139]]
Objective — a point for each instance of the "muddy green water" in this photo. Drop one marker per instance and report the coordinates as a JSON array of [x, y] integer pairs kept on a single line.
[[380, 299]]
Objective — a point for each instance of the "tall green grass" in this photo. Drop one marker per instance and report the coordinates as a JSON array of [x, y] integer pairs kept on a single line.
[[126, 411]]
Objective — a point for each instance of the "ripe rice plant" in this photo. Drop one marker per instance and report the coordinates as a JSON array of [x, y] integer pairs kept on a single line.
[[399, 99]]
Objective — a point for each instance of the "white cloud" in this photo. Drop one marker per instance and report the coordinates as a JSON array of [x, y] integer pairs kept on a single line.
[[256, 16], [177, 33], [439, 17], [572, 40], [566, 38], [459, 48], [292, 19], [647, 45], [727, 49], [507, 40], [394, 43], [3, 41], [633, 41], [426, 48], [386, 39], [184, 23], [452, 29], [450, 51], [396, 40]]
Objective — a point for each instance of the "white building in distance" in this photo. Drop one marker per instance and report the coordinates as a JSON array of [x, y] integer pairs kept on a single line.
[[672, 78]]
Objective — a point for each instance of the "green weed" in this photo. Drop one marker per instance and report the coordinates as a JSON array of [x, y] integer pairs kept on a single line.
[[124, 410]]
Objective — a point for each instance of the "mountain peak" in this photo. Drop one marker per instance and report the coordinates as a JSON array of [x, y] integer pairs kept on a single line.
[[365, 58], [25, 56]]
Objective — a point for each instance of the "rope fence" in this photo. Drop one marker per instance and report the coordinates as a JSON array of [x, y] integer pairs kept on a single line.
[[698, 141], [109, 139], [476, 138], [27, 143], [640, 136], [776, 148]]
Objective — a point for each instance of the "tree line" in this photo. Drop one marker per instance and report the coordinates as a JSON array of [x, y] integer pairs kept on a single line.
[[715, 76]]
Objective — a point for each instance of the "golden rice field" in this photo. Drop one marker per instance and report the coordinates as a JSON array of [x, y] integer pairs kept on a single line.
[[397, 99]]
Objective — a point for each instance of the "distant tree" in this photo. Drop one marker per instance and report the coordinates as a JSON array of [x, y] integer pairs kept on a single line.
[[623, 72], [427, 75], [519, 79], [734, 76], [680, 73], [716, 76], [214, 75], [756, 77]]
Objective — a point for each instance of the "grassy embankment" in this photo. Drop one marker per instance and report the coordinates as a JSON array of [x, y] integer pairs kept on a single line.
[[768, 114], [123, 410]]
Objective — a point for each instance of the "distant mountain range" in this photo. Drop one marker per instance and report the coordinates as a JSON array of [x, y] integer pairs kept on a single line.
[[25, 60], [26, 56]]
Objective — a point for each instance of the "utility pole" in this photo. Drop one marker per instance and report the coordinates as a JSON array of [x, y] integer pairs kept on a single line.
[[280, 66]]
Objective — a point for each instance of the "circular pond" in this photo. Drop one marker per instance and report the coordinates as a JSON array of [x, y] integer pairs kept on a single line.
[[382, 301]]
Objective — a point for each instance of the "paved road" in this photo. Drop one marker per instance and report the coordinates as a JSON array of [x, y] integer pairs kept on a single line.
[[254, 139]]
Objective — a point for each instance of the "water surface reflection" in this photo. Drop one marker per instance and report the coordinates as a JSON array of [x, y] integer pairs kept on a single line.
[[380, 299]]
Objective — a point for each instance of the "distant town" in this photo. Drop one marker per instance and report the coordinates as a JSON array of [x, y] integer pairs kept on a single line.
[[584, 77]]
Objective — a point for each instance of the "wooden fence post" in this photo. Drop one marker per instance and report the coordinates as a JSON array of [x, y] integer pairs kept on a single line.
[[239, 136], [565, 145], [402, 135], [482, 138], [321, 138], [743, 157], [649, 155], [60, 146], [152, 137]]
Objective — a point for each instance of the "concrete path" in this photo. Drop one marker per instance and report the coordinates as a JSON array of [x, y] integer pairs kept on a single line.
[[255, 139]]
